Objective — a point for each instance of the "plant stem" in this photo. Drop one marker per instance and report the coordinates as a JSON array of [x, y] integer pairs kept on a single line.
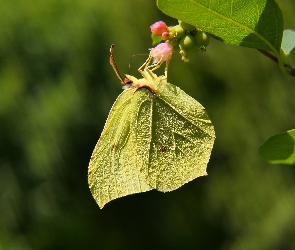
[[275, 59]]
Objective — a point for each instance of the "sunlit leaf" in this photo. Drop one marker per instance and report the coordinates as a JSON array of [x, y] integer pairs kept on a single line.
[[288, 42], [254, 24], [156, 137], [279, 148]]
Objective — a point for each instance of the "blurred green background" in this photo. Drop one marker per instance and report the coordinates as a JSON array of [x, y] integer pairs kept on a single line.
[[56, 89]]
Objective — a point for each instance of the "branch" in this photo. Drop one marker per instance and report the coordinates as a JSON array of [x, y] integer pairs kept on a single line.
[[272, 57]]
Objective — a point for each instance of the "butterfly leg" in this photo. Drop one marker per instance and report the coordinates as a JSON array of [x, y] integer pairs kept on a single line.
[[166, 68], [143, 67]]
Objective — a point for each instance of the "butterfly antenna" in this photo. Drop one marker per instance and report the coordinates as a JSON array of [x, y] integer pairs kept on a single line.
[[114, 65], [131, 60]]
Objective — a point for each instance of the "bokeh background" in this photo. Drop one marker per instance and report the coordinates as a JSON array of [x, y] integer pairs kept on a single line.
[[56, 89]]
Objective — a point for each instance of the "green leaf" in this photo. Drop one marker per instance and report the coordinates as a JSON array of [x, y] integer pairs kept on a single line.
[[255, 24], [288, 42], [279, 148], [156, 39], [156, 137]]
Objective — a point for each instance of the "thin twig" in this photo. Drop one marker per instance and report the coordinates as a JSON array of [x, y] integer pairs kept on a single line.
[[273, 58]]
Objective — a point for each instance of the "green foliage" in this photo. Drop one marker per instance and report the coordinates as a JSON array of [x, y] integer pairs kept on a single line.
[[156, 137], [238, 22], [279, 148], [255, 25], [242, 23], [183, 37], [156, 39], [56, 89]]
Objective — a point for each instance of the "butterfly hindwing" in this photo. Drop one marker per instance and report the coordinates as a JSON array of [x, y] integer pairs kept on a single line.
[[182, 139]]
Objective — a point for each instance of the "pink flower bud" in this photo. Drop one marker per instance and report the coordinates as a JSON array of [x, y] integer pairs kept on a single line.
[[158, 28], [163, 52]]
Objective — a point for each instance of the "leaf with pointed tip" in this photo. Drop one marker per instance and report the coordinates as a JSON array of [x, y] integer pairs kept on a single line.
[[156, 137], [254, 24], [279, 148]]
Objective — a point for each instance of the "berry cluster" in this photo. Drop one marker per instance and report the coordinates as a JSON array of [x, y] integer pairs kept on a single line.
[[188, 38]]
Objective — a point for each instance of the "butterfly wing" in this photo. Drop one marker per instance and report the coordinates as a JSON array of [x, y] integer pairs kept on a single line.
[[118, 164], [159, 141], [182, 139]]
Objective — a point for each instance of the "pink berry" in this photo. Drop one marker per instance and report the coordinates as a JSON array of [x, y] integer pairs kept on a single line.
[[158, 28], [163, 52], [165, 34]]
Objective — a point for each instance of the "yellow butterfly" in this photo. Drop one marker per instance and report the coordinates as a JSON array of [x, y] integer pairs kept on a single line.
[[155, 137]]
